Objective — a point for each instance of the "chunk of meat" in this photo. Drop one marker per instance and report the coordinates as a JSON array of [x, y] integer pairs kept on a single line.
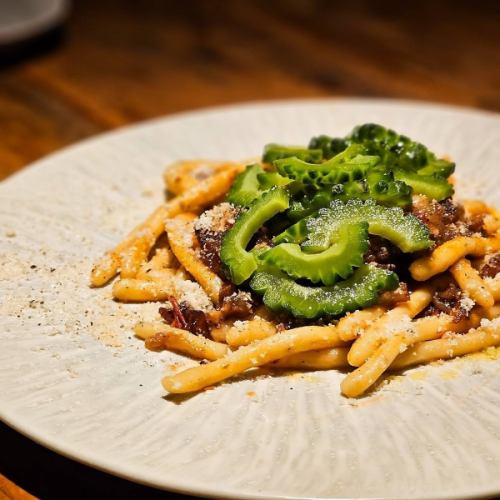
[[448, 300], [383, 253], [446, 220], [210, 228], [174, 316], [185, 317], [210, 244], [475, 223], [238, 305], [391, 299], [442, 218], [491, 267]]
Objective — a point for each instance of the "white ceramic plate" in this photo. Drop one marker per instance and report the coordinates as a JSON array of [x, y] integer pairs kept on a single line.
[[22, 19], [73, 378]]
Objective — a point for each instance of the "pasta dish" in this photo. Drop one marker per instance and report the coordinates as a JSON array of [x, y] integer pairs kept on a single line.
[[350, 253]]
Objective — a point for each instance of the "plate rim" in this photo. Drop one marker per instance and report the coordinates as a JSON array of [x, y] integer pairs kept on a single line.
[[109, 466], [257, 103]]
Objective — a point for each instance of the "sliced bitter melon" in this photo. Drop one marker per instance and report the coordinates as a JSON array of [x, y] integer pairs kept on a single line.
[[252, 183], [379, 186], [268, 180], [273, 152], [329, 146], [282, 294], [345, 253], [239, 263], [399, 151], [315, 232], [246, 187], [352, 164], [411, 162], [433, 186]]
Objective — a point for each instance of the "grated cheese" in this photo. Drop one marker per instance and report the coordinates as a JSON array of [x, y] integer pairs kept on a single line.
[[466, 303], [217, 219], [403, 325], [191, 292]]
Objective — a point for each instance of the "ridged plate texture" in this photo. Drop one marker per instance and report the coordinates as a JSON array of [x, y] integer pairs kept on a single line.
[[74, 378]]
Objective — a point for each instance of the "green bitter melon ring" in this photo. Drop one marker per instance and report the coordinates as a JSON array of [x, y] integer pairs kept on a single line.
[[333, 243], [314, 233], [283, 294]]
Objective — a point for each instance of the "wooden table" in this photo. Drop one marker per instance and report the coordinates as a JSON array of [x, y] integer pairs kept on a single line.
[[120, 62]]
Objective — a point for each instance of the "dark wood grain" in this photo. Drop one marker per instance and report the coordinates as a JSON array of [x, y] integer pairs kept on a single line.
[[47, 475], [9, 491], [120, 61], [126, 61]]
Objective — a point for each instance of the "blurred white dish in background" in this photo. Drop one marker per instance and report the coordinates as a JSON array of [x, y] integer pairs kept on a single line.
[[22, 19]]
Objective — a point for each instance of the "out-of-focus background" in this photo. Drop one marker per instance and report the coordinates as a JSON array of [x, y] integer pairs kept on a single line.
[[116, 61], [70, 70]]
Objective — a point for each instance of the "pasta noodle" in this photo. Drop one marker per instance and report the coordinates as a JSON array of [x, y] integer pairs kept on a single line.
[[350, 326], [446, 348], [494, 287], [471, 283], [356, 382], [202, 194], [256, 354], [157, 275], [491, 223], [133, 257], [181, 238], [245, 332], [491, 312], [491, 217], [450, 252], [324, 359], [475, 207], [370, 339], [184, 175], [164, 259], [135, 290], [429, 328], [219, 332], [179, 340], [145, 235], [105, 269]]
